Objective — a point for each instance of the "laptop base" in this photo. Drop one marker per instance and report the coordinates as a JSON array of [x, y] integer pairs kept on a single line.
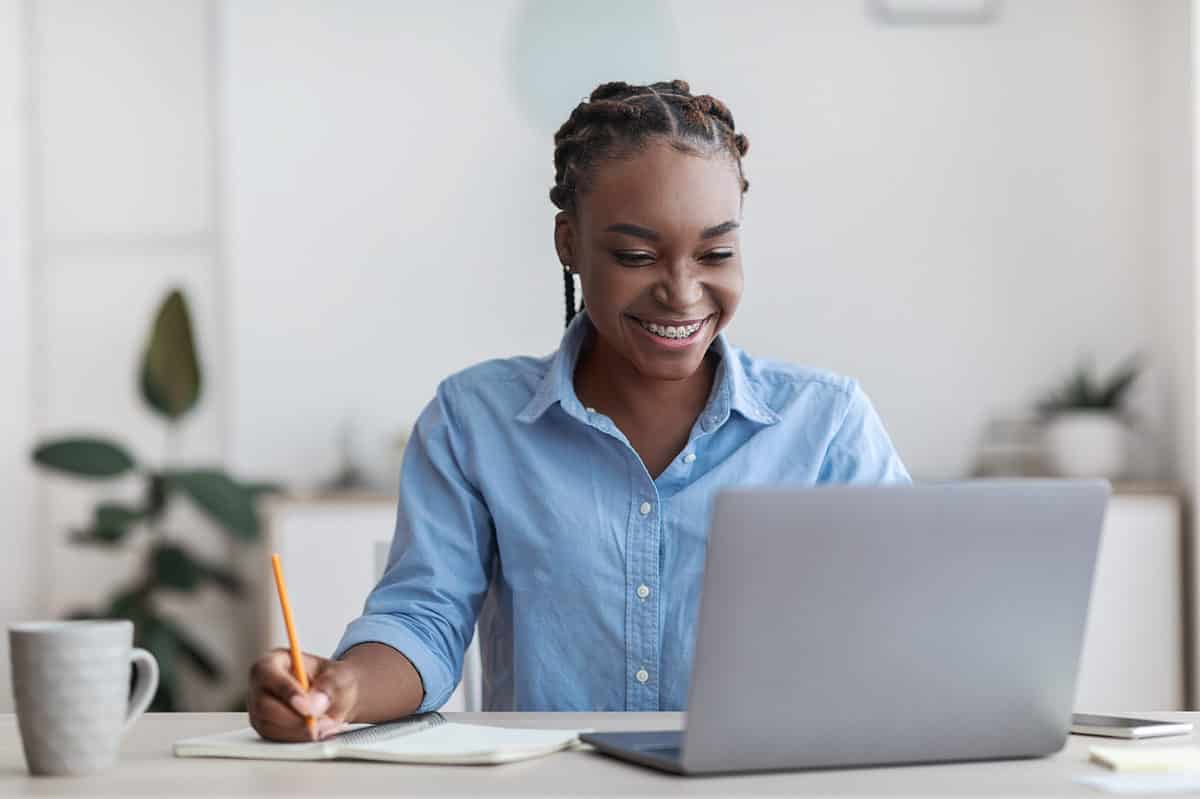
[[662, 750]]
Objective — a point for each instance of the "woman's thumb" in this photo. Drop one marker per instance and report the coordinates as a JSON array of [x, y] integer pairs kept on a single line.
[[329, 696], [315, 703]]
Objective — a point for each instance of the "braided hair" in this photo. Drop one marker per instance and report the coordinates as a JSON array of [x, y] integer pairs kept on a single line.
[[617, 119]]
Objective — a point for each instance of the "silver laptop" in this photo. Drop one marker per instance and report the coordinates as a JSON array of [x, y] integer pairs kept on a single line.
[[867, 625]]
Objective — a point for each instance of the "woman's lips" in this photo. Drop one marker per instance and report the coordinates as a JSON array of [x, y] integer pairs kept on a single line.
[[673, 343], [669, 322]]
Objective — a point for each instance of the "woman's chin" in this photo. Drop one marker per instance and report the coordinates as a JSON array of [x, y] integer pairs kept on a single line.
[[668, 366]]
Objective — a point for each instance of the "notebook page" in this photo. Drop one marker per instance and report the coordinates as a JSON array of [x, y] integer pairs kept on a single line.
[[246, 743], [465, 743]]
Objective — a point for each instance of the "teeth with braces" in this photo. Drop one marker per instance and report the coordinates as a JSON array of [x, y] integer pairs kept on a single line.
[[670, 331]]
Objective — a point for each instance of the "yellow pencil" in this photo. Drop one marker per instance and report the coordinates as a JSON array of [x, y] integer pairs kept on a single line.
[[297, 659]]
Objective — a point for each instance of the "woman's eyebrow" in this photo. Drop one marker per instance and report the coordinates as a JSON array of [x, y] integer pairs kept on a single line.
[[651, 235], [633, 230], [719, 230]]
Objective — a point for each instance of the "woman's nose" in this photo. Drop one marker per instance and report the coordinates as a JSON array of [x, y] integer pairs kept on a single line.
[[680, 287]]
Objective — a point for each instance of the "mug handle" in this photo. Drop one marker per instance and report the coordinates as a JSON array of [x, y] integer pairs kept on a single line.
[[144, 686]]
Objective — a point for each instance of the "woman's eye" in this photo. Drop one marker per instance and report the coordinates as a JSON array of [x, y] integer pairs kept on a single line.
[[634, 258], [629, 258]]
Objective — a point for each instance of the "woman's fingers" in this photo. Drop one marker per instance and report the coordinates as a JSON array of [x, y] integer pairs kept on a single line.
[[327, 727], [275, 720], [312, 664], [335, 687], [272, 673], [279, 707], [315, 703]]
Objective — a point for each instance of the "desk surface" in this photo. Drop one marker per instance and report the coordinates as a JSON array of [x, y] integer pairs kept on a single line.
[[147, 768]]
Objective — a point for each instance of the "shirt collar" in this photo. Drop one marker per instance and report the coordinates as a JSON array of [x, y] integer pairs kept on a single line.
[[558, 383], [733, 389]]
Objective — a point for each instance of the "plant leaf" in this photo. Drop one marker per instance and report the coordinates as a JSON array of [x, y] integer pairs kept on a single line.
[[1083, 390], [224, 578], [129, 604], [157, 492], [194, 652], [165, 700], [1113, 394], [104, 538], [152, 635], [226, 501], [153, 393], [84, 457], [170, 374], [112, 521], [113, 514], [175, 568], [260, 488]]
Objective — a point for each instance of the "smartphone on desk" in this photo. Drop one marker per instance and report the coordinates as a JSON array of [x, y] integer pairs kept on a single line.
[[1125, 727]]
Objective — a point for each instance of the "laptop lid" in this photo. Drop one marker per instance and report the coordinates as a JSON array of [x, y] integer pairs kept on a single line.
[[852, 625]]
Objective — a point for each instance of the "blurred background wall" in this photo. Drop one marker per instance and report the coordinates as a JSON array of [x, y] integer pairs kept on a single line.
[[354, 197], [954, 215], [18, 588]]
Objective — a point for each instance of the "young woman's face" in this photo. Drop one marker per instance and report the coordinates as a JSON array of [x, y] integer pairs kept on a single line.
[[655, 243]]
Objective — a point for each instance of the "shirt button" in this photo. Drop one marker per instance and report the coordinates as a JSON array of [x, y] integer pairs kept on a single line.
[[689, 458], [642, 675], [590, 409], [643, 591], [646, 508]]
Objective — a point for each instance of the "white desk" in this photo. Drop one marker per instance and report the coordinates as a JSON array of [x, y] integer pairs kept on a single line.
[[147, 768]]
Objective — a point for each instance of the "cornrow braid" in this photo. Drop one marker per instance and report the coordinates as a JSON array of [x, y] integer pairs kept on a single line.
[[619, 117]]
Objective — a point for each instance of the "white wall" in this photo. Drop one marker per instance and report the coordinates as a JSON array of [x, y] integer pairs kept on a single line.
[[1170, 97], [954, 215], [125, 199], [951, 214], [16, 496], [1173, 103]]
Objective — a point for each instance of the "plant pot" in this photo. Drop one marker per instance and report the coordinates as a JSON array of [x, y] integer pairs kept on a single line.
[[1087, 443]]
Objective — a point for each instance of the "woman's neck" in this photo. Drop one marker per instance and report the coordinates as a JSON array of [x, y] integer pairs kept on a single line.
[[608, 382]]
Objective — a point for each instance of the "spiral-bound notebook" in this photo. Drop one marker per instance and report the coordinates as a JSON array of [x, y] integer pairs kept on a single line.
[[427, 738]]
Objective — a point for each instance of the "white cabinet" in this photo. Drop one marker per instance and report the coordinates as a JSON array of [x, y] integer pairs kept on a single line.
[[1133, 653]]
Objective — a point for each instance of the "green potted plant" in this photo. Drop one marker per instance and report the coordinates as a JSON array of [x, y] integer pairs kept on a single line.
[[170, 384], [1085, 422]]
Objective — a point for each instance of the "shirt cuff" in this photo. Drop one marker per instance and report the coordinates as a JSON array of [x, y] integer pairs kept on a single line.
[[435, 677]]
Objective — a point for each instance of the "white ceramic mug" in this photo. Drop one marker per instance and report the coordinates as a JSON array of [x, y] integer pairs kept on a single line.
[[70, 680]]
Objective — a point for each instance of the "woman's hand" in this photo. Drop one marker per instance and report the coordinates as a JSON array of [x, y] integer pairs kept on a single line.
[[278, 706]]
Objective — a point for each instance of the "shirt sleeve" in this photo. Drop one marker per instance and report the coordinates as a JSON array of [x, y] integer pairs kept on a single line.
[[861, 451], [440, 561]]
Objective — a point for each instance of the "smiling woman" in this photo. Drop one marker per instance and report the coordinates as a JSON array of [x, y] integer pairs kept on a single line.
[[658, 291], [562, 501]]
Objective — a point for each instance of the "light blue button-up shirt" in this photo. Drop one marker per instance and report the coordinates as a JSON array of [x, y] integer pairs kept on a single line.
[[525, 510]]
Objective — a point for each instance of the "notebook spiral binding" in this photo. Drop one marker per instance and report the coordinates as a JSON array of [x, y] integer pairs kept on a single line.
[[392, 729]]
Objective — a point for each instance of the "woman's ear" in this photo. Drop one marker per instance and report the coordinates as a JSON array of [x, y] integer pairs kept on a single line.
[[564, 238]]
